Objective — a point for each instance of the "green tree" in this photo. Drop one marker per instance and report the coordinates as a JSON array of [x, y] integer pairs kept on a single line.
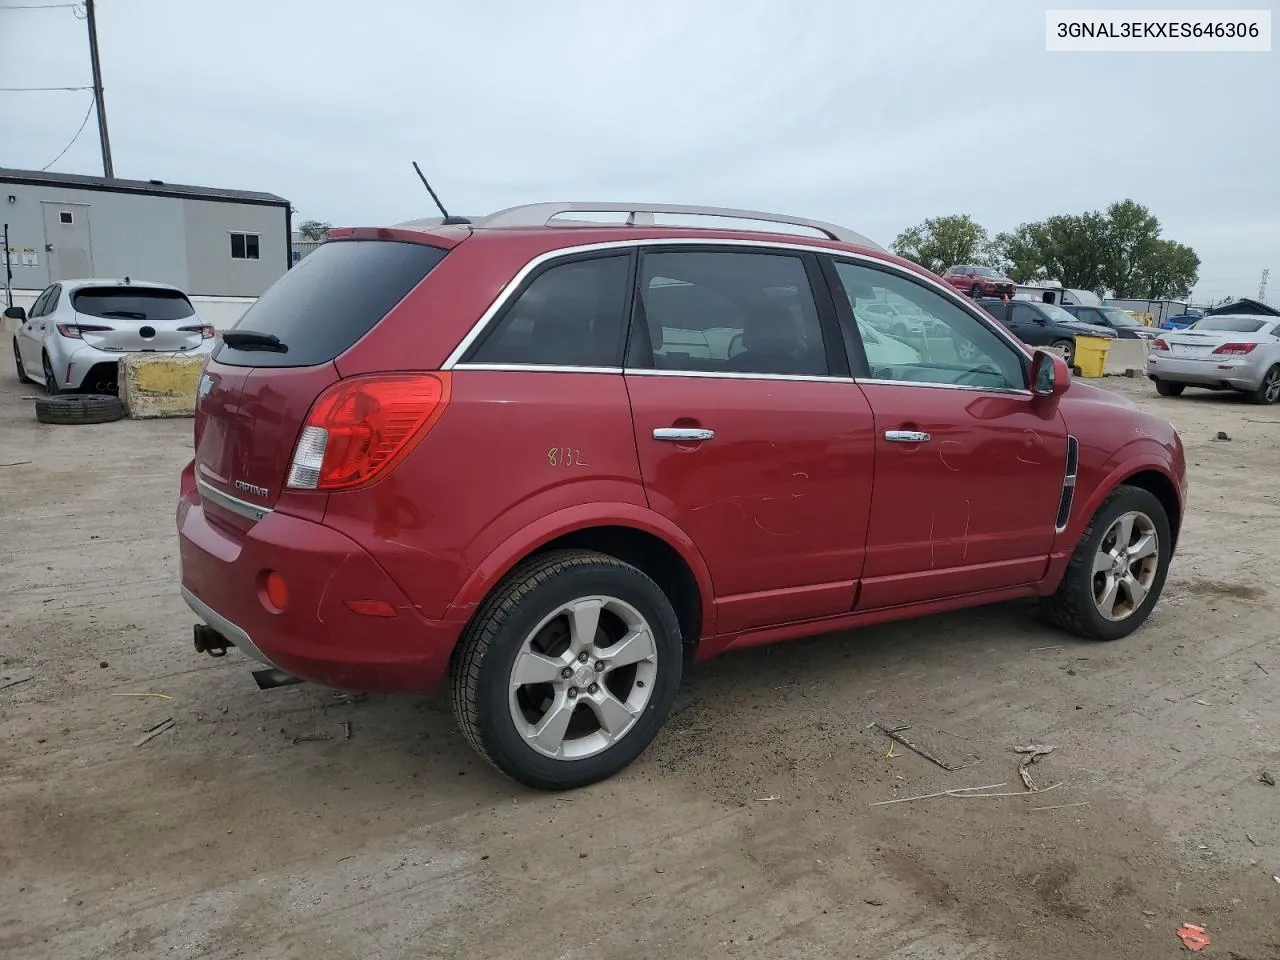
[[1131, 238], [1168, 272], [940, 242], [314, 229]]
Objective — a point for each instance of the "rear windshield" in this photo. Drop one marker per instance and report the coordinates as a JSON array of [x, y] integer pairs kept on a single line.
[[113, 303], [1230, 324], [331, 299]]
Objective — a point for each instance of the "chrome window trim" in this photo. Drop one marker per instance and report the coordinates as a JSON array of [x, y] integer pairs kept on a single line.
[[250, 511], [1011, 391], [945, 290], [535, 368], [733, 375]]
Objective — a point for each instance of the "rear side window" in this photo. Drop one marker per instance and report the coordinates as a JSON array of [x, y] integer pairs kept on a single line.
[[731, 313], [114, 303], [572, 314], [331, 299]]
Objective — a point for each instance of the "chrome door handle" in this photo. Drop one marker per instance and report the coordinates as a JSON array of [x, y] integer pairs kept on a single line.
[[683, 433], [906, 436]]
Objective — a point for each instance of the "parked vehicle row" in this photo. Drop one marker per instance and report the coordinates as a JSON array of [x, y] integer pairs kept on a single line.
[[1043, 324], [655, 444], [1220, 352], [1119, 322], [76, 330]]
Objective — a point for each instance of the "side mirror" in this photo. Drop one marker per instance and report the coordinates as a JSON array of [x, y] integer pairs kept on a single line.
[[15, 313], [1050, 375]]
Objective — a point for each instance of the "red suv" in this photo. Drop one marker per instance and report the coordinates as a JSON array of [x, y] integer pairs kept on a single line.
[[553, 463], [979, 281]]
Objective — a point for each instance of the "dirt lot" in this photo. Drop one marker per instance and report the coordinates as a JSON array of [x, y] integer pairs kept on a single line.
[[745, 831]]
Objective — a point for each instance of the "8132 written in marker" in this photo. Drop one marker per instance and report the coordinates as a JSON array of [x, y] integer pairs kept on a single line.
[[1158, 31]]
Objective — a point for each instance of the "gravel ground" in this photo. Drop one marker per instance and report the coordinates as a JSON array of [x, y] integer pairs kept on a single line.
[[746, 829]]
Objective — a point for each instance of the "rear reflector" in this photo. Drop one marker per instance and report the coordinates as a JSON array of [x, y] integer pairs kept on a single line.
[[277, 591], [360, 427], [370, 608]]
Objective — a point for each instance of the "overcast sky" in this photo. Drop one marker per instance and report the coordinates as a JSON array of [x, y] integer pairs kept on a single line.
[[871, 113]]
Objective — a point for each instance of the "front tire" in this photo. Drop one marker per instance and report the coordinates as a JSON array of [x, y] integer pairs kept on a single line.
[[1167, 389], [975, 292], [1268, 391], [1118, 569], [1068, 348], [568, 670]]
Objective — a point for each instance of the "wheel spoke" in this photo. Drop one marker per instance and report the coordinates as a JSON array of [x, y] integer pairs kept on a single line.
[[584, 620], [612, 713], [1107, 602], [635, 646], [535, 668], [548, 735], [1145, 547], [1137, 592], [1103, 561], [1124, 531]]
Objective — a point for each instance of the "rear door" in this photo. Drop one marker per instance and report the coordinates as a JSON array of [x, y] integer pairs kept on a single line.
[[254, 396], [752, 437], [969, 466]]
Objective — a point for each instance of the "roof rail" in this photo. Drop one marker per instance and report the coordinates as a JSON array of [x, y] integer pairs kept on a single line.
[[641, 214]]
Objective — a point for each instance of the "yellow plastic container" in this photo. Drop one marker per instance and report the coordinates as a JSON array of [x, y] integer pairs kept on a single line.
[[1091, 355]]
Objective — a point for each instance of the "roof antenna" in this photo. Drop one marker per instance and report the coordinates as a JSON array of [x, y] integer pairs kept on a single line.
[[448, 220]]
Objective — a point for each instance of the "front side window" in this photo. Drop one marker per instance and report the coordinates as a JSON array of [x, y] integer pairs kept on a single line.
[[715, 311], [571, 314], [42, 301], [954, 347], [244, 246]]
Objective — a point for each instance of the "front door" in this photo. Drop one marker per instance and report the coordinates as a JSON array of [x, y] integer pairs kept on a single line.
[[66, 237], [969, 465], [752, 438]]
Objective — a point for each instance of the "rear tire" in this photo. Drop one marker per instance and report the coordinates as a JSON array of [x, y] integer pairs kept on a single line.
[[17, 362], [541, 649], [50, 378], [71, 409], [1268, 391], [1167, 389], [975, 292], [1098, 597]]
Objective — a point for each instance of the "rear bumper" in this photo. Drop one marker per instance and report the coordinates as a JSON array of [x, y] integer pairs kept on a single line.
[[316, 636], [1206, 373], [78, 362]]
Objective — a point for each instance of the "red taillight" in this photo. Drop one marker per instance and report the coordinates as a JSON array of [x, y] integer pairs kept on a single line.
[[363, 426], [1159, 344], [205, 330], [76, 331], [1235, 349]]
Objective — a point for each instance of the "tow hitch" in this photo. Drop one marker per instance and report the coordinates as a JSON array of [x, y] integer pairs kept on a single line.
[[209, 641]]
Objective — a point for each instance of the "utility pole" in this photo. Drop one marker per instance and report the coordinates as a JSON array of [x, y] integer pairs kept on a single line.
[[107, 169], [8, 269], [1262, 284]]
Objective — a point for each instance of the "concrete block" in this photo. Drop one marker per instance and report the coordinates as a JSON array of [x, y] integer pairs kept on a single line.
[[1126, 355], [159, 385]]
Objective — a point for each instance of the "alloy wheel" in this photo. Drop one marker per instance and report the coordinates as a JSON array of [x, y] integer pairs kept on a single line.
[[1125, 566], [1271, 385], [583, 677]]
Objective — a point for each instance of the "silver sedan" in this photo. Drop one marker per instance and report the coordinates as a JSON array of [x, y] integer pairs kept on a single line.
[[1222, 352]]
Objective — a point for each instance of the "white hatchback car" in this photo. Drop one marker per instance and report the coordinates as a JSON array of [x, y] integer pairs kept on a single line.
[[77, 329]]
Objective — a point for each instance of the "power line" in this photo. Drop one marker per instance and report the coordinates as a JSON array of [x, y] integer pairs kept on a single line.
[[37, 6], [38, 89], [83, 123]]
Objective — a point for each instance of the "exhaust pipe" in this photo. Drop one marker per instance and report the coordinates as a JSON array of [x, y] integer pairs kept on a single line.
[[210, 641], [271, 678]]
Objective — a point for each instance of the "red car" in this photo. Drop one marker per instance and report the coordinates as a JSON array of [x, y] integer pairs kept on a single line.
[[551, 464], [978, 281]]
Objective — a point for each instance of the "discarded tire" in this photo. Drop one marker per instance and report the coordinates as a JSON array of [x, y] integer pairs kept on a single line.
[[78, 409]]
